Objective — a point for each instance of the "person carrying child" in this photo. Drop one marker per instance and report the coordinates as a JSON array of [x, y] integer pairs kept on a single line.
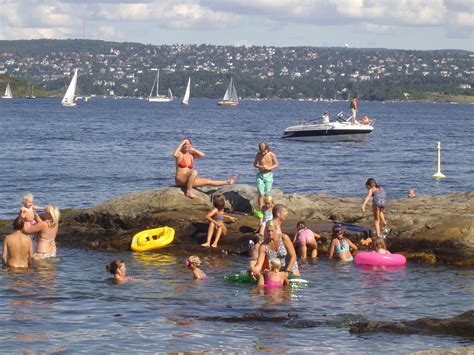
[[193, 262], [377, 193], [306, 238], [341, 245], [216, 218], [28, 210], [273, 277]]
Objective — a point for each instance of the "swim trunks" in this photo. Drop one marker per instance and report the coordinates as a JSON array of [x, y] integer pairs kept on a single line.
[[264, 182]]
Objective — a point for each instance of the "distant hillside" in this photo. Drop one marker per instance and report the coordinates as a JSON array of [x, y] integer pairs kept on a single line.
[[22, 88], [128, 69]]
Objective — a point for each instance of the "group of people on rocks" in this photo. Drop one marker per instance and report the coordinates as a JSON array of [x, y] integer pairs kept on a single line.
[[18, 247], [272, 256], [274, 251]]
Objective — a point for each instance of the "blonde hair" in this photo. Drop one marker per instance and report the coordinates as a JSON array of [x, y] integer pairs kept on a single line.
[[27, 197], [268, 199], [193, 259], [263, 146], [54, 215], [275, 264]]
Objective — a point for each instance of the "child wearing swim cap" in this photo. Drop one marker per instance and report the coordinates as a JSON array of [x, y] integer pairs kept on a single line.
[[273, 277], [193, 262], [306, 238]]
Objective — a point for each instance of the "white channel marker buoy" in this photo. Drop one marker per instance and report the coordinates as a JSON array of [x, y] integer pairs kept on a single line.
[[439, 174]]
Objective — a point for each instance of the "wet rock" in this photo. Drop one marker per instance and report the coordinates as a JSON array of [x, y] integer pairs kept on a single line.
[[461, 325], [430, 229]]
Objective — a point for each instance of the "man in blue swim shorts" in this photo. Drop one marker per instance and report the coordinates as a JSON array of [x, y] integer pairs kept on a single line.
[[265, 162]]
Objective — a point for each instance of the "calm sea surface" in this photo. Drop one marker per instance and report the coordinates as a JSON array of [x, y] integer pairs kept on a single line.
[[82, 156]]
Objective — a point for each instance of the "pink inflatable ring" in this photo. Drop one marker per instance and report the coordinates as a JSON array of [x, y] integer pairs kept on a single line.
[[374, 258]]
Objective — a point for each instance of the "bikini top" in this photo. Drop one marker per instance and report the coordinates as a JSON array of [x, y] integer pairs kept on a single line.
[[183, 164], [342, 246]]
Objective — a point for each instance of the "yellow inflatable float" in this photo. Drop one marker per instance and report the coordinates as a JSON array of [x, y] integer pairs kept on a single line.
[[152, 239]]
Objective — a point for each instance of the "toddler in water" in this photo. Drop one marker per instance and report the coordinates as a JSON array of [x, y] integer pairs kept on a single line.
[[118, 269], [28, 210], [267, 211], [274, 277], [379, 200], [306, 238], [193, 262], [216, 221], [380, 246]]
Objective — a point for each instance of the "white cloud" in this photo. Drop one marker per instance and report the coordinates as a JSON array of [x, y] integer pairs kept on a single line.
[[65, 17]]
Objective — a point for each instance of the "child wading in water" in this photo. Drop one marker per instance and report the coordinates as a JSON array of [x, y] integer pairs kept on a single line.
[[216, 221], [28, 210], [305, 237], [193, 262], [267, 211], [379, 200], [118, 269], [274, 277], [380, 246]]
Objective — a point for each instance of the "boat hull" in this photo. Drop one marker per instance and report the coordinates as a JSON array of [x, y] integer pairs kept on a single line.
[[333, 131], [68, 104], [152, 239], [160, 99], [228, 103], [7, 97]]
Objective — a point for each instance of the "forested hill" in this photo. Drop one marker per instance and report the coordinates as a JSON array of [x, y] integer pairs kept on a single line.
[[128, 69]]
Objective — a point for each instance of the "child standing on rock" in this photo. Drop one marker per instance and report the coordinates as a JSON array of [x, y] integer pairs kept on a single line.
[[216, 219], [377, 193]]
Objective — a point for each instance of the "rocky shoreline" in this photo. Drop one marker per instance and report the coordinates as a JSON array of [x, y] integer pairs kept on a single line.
[[432, 229]]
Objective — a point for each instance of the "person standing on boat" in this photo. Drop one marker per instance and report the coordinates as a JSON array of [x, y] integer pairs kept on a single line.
[[354, 106], [265, 161], [186, 175], [325, 118]]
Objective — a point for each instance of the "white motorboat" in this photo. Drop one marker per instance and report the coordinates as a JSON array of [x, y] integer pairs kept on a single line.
[[340, 129]]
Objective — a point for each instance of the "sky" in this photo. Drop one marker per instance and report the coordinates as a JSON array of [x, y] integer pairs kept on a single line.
[[402, 24]]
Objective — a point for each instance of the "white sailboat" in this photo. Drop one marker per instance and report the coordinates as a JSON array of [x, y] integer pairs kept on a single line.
[[68, 99], [8, 92], [230, 98], [187, 94], [157, 97]]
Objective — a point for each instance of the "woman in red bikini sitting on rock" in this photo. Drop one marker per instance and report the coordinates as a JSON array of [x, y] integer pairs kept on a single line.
[[186, 175]]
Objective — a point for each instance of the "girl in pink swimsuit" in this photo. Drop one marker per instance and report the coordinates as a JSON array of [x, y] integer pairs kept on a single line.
[[274, 277], [306, 238]]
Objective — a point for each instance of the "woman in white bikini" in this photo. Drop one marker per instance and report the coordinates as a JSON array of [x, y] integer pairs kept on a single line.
[[47, 229]]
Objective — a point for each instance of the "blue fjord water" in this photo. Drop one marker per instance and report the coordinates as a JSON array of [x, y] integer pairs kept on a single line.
[[80, 157]]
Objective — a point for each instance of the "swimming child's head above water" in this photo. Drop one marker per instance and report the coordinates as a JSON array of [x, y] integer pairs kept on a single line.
[[192, 261], [275, 264], [115, 265]]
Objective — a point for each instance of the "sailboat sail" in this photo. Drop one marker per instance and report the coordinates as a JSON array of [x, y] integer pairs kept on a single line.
[[68, 99], [230, 98], [187, 94], [8, 92], [157, 97]]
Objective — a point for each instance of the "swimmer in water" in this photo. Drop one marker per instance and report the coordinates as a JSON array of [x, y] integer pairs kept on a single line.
[[118, 269], [193, 263], [273, 277]]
